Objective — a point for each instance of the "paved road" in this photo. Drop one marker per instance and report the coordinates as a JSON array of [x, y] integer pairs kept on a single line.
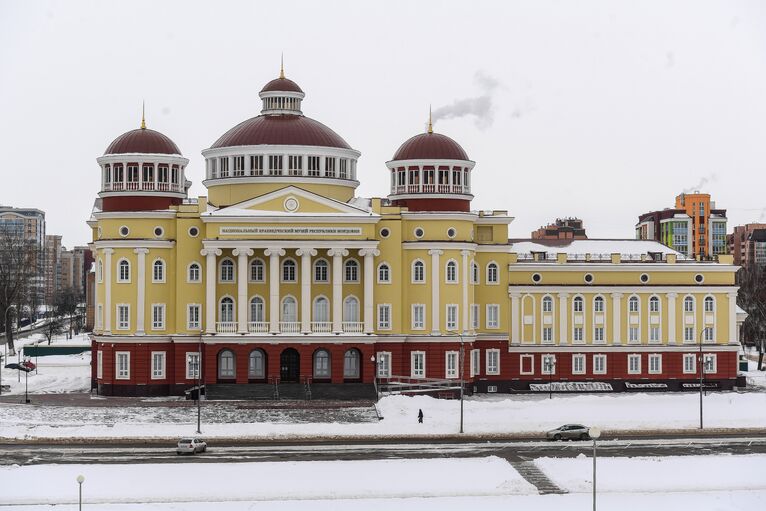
[[515, 452]]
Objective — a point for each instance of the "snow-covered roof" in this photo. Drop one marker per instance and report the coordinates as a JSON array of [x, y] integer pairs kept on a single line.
[[626, 248]]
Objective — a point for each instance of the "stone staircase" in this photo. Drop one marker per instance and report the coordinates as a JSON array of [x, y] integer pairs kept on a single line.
[[536, 477], [291, 391]]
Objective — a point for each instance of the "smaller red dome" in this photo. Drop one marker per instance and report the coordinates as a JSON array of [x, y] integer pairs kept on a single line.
[[142, 140], [430, 146], [281, 85]]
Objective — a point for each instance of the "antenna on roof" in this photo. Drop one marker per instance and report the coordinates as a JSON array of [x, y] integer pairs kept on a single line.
[[143, 118], [282, 66], [430, 124]]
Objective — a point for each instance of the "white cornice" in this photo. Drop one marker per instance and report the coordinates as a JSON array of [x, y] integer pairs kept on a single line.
[[499, 219], [288, 244], [406, 196], [438, 245], [297, 150], [391, 164], [100, 244], [220, 181], [142, 193], [102, 215], [439, 215], [295, 219], [142, 158], [620, 348]]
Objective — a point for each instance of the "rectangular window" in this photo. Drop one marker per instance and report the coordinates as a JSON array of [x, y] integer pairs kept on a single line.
[[493, 361], [313, 165], [493, 315], [418, 364], [162, 174], [475, 316], [158, 316], [192, 317], [577, 334], [690, 363], [451, 364], [158, 365], [634, 364], [239, 165], [122, 362], [548, 364], [475, 362], [655, 364], [295, 165], [99, 364], [275, 165], [123, 316], [256, 165], [708, 335], [224, 163], [711, 363], [598, 334], [688, 334], [418, 316], [329, 169], [384, 364], [654, 334], [547, 334], [192, 365], [599, 364], [451, 317], [527, 364], [99, 316], [384, 316], [578, 364], [633, 334], [343, 168]]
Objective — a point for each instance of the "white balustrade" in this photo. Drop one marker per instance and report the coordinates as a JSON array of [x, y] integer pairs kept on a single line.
[[226, 327], [321, 327], [353, 327], [290, 327], [258, 327]]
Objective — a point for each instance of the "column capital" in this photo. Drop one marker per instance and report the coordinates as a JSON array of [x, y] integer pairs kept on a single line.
[[435, 252], [242, 251], [563, 295], [466, 253], [617, 296], [515, 295], [337, 252], [732, 295], [274, 251], [210, 251], [108, 251], [141, 251], [308, 252], [672, 295], [369, 251]]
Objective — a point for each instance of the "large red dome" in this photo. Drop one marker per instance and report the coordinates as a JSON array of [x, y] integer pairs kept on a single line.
[[281, 130], [142, 140], [281, 85], [430, 146]]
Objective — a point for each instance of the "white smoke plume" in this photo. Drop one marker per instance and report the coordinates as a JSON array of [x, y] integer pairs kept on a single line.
[[702, 182], [481, 107]]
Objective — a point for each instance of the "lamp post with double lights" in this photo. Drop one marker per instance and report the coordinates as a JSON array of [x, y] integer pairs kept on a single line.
[[462, 374]]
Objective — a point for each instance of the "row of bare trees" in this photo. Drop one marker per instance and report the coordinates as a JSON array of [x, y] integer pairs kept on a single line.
[[752, 299]]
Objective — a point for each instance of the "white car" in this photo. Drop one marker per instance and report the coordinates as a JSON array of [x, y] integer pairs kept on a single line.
[[191, 445]]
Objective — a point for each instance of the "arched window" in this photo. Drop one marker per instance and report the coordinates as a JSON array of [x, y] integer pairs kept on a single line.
[[492, 273], [654, 304], [352, 271], [227, 270], [321, 271], [288, 271], [547, 304], [257, 309], [123, 271], [418, 272], [577, 304], [321, 364], [633, 304], [384, 273], [451, 271], [709, 304], [158, 271], [256, 366], [598, 304], [226, 365], [321, 310], [289, 309], [474, 273], [227, 310], [194, 273], [688, 304], [351, 364], [351, 309], [256, 271]]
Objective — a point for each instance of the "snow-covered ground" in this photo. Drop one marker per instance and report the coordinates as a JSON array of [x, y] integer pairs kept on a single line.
[[694, 482], [54, 374]]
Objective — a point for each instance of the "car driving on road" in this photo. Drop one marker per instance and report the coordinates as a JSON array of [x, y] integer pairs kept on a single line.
[[569, 432], [191, 446]]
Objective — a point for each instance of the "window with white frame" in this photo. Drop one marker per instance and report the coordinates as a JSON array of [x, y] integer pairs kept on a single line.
[[633, 334], [548, 364], [493, 315], [158, 271], [547, 334], [158, 365], [577, 334], [690, 363], [578, 364], [321, 271], [123, 271], [451, 272], [688, 334], [384, 316], [598, 304], [418, 272], [418, 364], [122, 365], [475, 362], [451, 318], [709, 304], [123, 316], [547, 304], [289, 271], [475, 316], [493, 361], [655, 363], [227, 271], [451, 364], [634, 364], [654, 304], [99, 364], [384, 274], [257, 273], [193, 316], [598, 334], [474, 273], [418, 316], [577, 304], [708, 335], [599, 364], [633, 304], [711, 363], [527, 364], [158, 316], [689, 304], [384, 364], [100, 271], [351, 273], [195, 275], [654, 334], [492, 273], [192, 365]]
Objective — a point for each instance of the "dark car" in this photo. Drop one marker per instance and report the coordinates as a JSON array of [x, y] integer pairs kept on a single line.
[[19, 367], [569, 432]]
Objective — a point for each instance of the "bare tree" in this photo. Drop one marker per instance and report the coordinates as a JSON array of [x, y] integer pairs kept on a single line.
[[66, 306], [18, 269], [752, 299], [54, 326]]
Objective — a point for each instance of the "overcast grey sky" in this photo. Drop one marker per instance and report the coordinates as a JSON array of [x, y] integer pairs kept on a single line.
[[602, 110]]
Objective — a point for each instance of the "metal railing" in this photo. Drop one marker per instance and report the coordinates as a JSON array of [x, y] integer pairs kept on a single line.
[[405, 384]]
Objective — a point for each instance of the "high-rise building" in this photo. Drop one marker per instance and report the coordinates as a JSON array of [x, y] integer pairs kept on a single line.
[[561, 229], [52, 266], [30, 224], [693, 227], [73, 269], [748, 244]]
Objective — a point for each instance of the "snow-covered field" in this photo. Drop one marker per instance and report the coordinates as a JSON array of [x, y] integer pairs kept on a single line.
[[693, 482]]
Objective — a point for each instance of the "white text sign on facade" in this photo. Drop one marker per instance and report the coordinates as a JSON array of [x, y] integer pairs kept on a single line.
[[291, 231]]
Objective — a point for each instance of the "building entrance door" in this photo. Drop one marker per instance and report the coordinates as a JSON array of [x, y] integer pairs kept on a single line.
[[289, 365]]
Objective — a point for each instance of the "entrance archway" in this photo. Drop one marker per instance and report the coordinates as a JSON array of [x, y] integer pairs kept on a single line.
[[289, 365]]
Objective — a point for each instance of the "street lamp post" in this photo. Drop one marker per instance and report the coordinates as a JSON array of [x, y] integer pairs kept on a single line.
[[594, 433], [26, 386], [702, 370], [462, 380], [199, 386], [80, 480], [549, 365]]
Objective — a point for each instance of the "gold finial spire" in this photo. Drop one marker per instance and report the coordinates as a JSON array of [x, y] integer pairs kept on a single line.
[[430, 124], [143, 117], [282, 66]]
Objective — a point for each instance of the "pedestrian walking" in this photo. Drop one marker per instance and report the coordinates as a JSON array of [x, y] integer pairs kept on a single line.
[[420, 416]]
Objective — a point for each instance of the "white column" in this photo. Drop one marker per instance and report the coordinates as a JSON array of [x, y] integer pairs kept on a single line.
[[337, 255], [108, 290], [465, 254], [369, 272], [242, 254], [140, 289], [211, 271], [435, 286], [306, 254], [616, 322], [733, 339], [274, 254], [515, 319], [563, 315], [672, 317]]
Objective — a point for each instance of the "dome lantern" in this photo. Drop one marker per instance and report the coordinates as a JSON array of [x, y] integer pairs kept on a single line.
[[282, 96]]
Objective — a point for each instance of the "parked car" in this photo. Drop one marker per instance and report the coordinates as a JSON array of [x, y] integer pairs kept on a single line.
[[191, 445], [19, 367], [569, 432]]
